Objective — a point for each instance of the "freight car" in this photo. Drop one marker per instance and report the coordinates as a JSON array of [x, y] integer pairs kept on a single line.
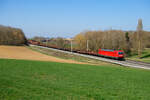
[[116, 54], [33, 42]]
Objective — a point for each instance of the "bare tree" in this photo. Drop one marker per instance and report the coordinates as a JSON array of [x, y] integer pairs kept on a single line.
[[80, 41]]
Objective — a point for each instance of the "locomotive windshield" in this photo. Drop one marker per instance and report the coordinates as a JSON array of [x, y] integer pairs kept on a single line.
[[120, 53]]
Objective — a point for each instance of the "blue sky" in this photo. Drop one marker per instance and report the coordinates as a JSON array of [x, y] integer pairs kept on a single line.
[[66, 18]]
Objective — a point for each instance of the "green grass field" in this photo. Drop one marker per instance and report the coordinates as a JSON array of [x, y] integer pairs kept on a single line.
[[35, 80]]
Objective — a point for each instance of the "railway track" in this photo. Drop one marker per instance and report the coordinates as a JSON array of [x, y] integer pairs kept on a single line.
[[127, 63]]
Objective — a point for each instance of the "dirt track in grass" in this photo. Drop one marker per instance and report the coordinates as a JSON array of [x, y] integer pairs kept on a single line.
[[22, 52]]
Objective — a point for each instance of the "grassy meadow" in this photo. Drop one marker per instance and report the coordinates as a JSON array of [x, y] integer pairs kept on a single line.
[[37, 80]]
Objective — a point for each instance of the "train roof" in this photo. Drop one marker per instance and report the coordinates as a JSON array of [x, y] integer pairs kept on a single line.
[[107, 50], [110, 50]]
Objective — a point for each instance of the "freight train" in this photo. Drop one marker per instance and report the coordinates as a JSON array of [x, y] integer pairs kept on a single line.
[[115, 54]]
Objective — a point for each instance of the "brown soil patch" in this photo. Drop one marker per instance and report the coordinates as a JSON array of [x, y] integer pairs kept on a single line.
[[21, 52]]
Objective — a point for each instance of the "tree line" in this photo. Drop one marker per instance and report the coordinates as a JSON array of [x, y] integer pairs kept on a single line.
[[12, 36], [129, 41], [112, 39], [58, 41]]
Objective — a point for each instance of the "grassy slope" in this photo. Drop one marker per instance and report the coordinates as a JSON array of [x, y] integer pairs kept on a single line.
[[145, 56], [34, 80], [67, 56]]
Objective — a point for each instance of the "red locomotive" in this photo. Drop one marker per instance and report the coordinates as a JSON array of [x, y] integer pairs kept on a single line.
[[117, 54]]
